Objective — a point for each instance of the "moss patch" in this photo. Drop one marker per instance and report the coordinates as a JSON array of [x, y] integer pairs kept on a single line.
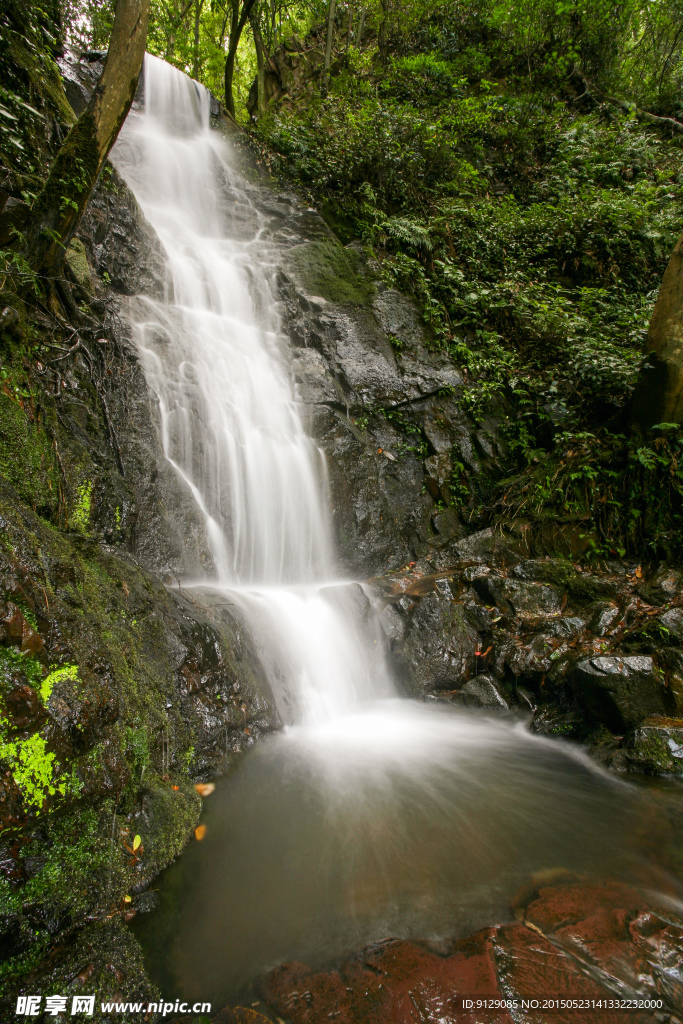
[[26, 454], [330, 271]]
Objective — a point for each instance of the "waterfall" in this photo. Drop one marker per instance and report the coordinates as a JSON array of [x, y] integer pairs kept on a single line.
[[368, 816], [214, 355]]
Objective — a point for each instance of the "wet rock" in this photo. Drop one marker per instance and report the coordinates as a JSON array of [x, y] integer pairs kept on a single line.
[[663, 586], [579, 584], [438, 651], [575, 940], [78, 267], [523, 599], [482, 692], [550, 720], [326, 269], [240, 1015], [670, 659], [672, 622], [619, 690], [658, 746], [535, 656], [566, 628], [603, 617], [447, 525]]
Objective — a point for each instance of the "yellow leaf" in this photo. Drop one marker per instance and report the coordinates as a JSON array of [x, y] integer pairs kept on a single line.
[[200, 832], [205, 788], [136, 843], [127, 899]]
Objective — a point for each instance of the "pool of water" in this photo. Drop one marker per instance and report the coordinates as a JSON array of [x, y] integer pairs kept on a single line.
[[400, 819]]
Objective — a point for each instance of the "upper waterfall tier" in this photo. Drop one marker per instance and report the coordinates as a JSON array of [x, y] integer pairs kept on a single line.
[[212, 351]]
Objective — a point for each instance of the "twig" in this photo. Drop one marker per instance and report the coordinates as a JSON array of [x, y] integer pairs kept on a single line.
[[642, 115]]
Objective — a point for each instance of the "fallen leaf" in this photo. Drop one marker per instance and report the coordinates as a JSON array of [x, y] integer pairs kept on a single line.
[[127, 899], [200, 832], [136, 843], [639, 573], [205, 788]]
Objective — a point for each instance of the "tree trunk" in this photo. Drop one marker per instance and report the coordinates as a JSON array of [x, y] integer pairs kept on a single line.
[[361, 26], [328, 43], [260, 63], [195, 54], [658, 396], [59, 206], [239, 20], [348, 33], [383, 34]]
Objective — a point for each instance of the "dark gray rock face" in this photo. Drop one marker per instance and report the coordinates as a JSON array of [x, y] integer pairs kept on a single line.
[[619, 691], [528, 636], [438, 647]]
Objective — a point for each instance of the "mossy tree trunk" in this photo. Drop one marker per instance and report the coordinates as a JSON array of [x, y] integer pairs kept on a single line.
[[59, 206], [260, 62], [240, 11], [658, 396]]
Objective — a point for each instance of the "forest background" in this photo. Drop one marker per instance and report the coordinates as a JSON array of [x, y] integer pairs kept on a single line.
[[516, 166]]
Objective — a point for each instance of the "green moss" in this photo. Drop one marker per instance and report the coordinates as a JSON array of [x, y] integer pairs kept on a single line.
[[80, 512], [330, 271], [59, 675], [34, 768], [26, 452], [77, 262], [11, 658], [578, 585]]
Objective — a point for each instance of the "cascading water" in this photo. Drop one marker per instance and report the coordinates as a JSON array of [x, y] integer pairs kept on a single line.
[[369, 815], [230, 426]]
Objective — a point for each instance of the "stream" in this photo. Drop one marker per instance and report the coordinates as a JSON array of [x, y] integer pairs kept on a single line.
[[368, 815]]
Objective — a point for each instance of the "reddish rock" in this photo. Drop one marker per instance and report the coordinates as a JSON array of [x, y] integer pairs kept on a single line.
[[397, 982], [23, 707], [16, 629], [577, 941]]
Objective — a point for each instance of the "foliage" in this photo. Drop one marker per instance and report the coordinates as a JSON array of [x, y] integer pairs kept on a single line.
[[532, 226], [627, 493]]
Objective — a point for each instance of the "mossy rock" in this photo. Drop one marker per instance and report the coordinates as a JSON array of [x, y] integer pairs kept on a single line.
[[658, 746], [27, 456], [78, 265], [326, 269]]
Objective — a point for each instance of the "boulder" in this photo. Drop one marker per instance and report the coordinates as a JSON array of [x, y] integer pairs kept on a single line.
[[522, 598], [658, 746], [481, 692], [672, 622], [438, 651], [619, 691]]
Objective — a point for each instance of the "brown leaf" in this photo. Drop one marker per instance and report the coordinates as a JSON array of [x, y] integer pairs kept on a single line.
[[205, 788]]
